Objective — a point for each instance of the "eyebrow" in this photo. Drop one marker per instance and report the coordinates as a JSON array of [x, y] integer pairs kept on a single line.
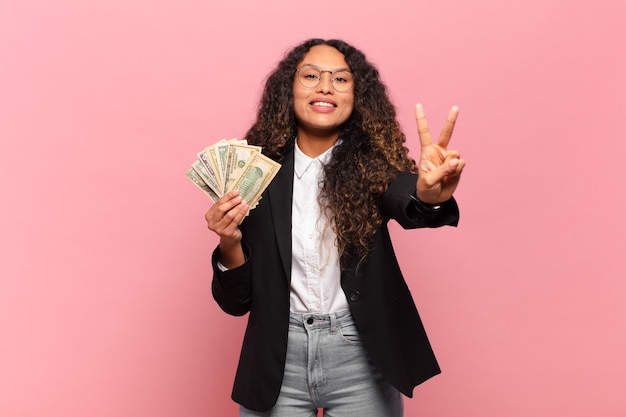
[[321, 69]]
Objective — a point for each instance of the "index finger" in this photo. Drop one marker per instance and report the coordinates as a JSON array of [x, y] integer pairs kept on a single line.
[[448, 127], [422, 126]]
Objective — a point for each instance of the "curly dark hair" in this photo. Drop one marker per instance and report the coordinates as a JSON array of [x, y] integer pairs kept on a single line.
[[369, 153]]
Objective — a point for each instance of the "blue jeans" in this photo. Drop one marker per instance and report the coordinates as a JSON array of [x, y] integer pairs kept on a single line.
[[328, 367]]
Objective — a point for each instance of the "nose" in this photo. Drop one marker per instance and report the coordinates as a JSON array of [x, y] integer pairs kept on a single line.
[[325, 84]]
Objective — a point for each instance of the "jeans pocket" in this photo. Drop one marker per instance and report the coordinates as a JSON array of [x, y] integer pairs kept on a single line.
[[350, 334]]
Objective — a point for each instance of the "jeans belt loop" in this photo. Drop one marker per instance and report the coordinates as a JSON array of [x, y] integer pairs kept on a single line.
[[333, 323]]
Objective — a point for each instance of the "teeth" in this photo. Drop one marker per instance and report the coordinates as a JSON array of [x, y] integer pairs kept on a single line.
[[322, 103]]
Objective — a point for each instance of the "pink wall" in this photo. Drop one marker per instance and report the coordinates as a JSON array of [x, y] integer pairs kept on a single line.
[[105, 305]]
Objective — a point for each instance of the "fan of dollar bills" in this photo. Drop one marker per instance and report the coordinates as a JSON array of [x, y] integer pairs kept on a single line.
[[233, 165]]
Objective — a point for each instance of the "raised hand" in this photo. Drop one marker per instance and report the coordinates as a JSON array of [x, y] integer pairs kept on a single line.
[[439, 168]]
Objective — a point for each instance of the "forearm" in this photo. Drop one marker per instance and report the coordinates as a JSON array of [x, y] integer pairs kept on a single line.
[[231, 288]]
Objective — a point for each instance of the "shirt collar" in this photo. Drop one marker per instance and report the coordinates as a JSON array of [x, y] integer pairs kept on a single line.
[[302, 162]]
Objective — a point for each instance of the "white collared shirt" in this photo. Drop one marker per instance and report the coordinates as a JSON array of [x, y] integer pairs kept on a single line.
[[315, 271]]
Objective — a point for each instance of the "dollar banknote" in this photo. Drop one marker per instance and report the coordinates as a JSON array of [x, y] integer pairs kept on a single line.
[[200, 169], [256, 175], [237, 157], [196, 179], [233, 164]]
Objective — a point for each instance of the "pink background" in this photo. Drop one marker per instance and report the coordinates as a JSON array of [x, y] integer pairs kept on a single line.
[[105, 305]]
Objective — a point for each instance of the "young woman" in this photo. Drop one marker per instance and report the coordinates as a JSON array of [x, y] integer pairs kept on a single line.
[[331, 323]]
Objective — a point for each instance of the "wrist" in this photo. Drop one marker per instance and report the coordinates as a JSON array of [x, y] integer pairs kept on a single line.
[[425, 210], [427, 206], [231, 253]]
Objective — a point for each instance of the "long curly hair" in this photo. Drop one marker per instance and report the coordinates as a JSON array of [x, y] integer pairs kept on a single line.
[[369, 153]]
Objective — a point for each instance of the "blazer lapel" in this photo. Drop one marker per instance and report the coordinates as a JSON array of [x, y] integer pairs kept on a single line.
[[280, 193]]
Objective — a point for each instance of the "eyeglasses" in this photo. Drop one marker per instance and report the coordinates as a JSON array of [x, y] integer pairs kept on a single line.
[[310, 76]]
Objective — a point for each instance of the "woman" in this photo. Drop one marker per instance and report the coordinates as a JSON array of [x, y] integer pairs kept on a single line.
[[332, 323]]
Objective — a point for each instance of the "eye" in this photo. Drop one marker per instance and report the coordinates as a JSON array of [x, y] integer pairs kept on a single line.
[[342, 77], [309, 73]]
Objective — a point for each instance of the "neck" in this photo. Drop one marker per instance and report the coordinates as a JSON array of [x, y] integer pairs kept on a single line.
[[313, 145]]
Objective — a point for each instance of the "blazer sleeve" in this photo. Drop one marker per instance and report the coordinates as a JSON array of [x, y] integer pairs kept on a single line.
[[398, 203], [232, 288]]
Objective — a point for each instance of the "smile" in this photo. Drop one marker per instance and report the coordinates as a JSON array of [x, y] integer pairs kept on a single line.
[[322, 103]]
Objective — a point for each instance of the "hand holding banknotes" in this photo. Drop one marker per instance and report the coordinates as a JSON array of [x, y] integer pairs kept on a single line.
[[224, 218], [234, 175]]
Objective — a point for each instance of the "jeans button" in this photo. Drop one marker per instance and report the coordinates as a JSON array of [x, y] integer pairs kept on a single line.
[[309, 320]]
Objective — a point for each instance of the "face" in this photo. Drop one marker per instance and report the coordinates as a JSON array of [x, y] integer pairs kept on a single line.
[[322, 110]]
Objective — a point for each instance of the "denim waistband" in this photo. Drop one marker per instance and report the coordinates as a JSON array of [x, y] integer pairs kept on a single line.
[[321, 320]]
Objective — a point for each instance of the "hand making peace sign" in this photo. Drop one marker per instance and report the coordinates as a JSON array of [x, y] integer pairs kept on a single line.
[[439, 169]]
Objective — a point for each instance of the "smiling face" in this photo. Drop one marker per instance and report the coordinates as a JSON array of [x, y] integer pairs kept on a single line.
[[322, 110]]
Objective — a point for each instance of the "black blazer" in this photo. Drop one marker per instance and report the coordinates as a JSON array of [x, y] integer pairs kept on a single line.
[[379, 299]]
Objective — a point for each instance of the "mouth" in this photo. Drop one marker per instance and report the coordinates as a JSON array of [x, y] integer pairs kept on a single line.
[[323, 104]]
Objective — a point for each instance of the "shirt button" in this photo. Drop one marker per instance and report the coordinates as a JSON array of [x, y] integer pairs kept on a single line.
[[309, 320], [355, 296]]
